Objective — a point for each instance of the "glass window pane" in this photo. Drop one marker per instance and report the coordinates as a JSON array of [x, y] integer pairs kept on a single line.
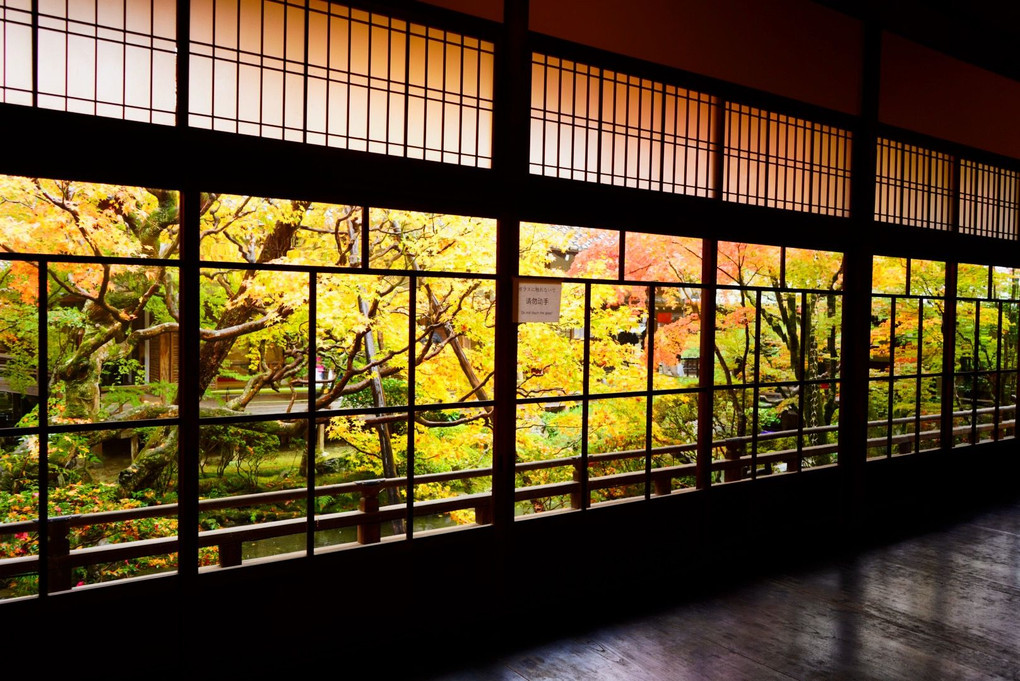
[[987, 393], [548, 457], [618, 337], [550, 356], [19, 513], [735, 323], [1006, 283], [931, 412], [662, 258], [820, 437], [1009, 339], [254, 351], [966, 312], [824, 336], [258, 230], [927, 278], [238, 464], [452, 469], [931, 336], [19, 342], [616, 448], [818, 270], [406, 240], [455, 340], [674, 442], [971, 281], [989, 336], [743, 264], [39, 215], [781, 356], [777, 422], [563, 251], [112, 332], [732, 414], [963, 410], [889, 275], [677, 341], [879, 427], [361, 341], [361, 467], [1007, 404], [905, 410], [880, 362], [118, 472], [906, 336]]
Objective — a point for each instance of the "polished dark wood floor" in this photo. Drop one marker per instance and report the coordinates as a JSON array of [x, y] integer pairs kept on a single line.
[[944, 604]]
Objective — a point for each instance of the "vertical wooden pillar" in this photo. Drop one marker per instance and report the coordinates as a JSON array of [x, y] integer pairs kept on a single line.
[[706, 365], [948, 392], [189, 299], [511, 110], [46, 555], [857, 262], [510, 165], [709, 265]]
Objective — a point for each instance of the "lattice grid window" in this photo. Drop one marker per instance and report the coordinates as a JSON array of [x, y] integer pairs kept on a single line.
[[351, 79], [780, 161], [906, 367], [114, 58], [16, 52], [914, 186], [609, 127], [989, 200]]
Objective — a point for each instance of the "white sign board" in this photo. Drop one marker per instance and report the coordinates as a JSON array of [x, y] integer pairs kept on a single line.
[[538, 301]]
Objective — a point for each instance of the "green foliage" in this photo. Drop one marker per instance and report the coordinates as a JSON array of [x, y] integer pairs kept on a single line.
[[159, 311], [768, 419], [675, 418], [244, 447], [71, 452], [394, 393], [19, 471], [122, 371]]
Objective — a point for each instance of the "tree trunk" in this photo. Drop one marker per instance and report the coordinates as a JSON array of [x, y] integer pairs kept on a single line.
[[383, 429], [145, 471]]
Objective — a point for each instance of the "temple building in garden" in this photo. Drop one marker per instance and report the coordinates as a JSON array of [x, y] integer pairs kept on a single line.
[[399, 330]]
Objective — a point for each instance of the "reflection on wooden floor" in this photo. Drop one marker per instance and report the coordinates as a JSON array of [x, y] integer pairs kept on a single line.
[[941, 605]]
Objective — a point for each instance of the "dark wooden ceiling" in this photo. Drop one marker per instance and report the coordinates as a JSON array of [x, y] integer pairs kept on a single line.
[[985, 33]]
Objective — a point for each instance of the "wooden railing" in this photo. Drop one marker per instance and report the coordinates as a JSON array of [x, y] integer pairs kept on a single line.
[[371, 515], [368, 521]]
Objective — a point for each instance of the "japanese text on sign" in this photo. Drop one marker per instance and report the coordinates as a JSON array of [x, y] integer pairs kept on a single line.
[[538, 301]]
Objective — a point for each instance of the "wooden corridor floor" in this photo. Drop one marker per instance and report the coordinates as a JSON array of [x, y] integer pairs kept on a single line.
[[944, 604]]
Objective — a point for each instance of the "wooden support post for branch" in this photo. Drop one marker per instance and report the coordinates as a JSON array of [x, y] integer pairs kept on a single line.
[[379, 400]]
